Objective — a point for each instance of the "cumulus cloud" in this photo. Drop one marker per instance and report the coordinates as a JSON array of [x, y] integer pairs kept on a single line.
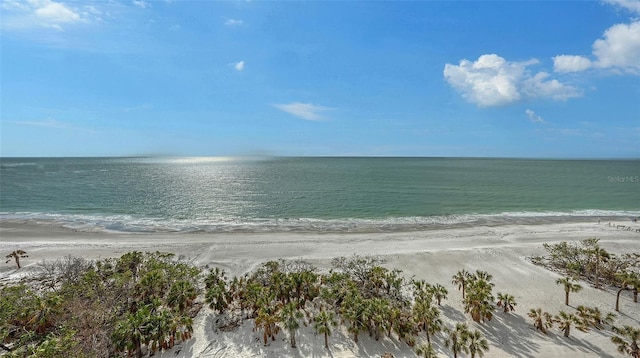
[[239, 66], [38, 13], [619, 47], [233, 22], [569, 63], [493, 81], [540, 86], [533, 116], [307, 111]]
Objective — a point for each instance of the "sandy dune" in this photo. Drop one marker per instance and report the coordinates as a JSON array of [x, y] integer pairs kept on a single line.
[[433, 255]]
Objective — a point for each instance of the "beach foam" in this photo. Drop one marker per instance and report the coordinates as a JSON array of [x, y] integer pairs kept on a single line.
[[132, 224]]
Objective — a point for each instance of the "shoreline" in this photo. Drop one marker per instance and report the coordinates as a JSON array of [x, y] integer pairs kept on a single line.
[[433, 255], [49, 241], [126, 224]]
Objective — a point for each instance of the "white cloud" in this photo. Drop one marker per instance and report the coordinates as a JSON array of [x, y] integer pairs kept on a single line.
[[570, 63], [308, 111], [233, 22], [239, 66], [494, 81], [533, 116], [14, 5], [630, 5], [141, 4], [539, 87], [56, 13], [619, 47], [38, 13]]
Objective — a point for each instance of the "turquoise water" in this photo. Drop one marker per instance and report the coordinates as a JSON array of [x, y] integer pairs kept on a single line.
[[312, 194]]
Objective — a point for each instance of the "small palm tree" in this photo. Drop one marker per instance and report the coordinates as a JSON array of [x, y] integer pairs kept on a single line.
[[628, 340], [627, 279], [438, 292], [426, 351], [132, 332], [541, 320], [476, 344], [353, 309], [591, 316], [266, 321], [569, 286], [151, 285], [322, 324], [185, 327], [379, 312], [216, 296], [181, 295], [428, 318], [461, 278], [479, 300], [456, 339], [483, 275], [566, 320], [507, 302], [420, 289], [599, 255], [290, 317], [16, 256]]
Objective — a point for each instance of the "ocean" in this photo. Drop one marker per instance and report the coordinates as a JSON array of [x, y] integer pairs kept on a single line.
[[312, 194]]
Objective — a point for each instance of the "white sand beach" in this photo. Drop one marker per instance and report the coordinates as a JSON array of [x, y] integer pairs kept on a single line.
[[433, 255]]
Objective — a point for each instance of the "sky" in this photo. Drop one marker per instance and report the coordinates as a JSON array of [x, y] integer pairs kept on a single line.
[[544, 79]]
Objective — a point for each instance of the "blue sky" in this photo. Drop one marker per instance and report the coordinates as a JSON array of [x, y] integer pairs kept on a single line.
[[556, 79]]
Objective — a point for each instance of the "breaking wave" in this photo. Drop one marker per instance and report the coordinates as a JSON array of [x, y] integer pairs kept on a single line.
[[123, 224]]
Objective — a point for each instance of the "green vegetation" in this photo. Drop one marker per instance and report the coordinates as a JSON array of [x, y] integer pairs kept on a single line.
[[426, 351], [462, 340], [627, 340], [507, 302], [566, 321], [456, 339], [139, 302], [142, 303], [588, 261], [479, 300], [323, 323], [628, 280], [570, 285], [541, 320]]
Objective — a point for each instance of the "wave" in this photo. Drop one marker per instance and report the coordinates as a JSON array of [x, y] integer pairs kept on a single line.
[[21, 164], [127, 224]]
